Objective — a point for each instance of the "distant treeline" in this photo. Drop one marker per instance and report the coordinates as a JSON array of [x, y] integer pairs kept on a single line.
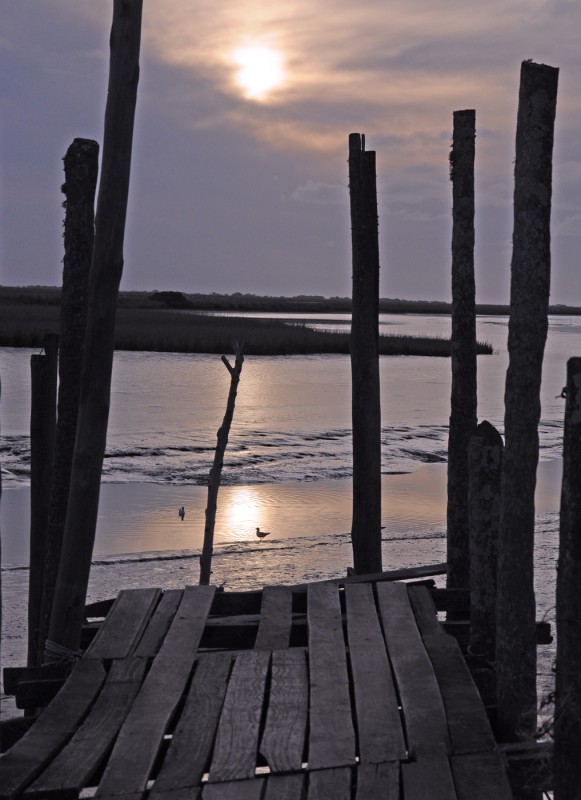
[[26, 319], [50, 295]]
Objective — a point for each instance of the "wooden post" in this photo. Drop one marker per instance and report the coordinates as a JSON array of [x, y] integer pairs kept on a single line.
[[529, 297], [216, 471], [484, 471], [106, 269], [567, 730], [463, 416], [43, 369], [366, 408], [81, 168]]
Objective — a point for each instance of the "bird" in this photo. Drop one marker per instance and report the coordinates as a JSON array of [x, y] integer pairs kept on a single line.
[[262, 534]]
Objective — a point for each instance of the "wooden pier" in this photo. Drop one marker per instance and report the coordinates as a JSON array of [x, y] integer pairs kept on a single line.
[[327, 691]]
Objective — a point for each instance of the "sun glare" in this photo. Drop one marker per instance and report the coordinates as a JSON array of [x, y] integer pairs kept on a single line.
[[260, 70]]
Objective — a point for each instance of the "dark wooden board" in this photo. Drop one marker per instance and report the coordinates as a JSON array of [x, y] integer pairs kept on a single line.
[[234, 790], [14, 675], [431, 771], [379, 726], [124, 624], [236, 746], [275, 618], [335, 783], [467, 719], [26, 759], [189, 752], [424, 610], [378, 781], [159, 624], [78, 761], [404, 573], [285, 787], [329, 704], [37, 694], [283, 739], [423, 709], [480, 776], [140, 737]]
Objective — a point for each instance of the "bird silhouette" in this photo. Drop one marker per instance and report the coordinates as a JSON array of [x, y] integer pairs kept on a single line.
[[262, 534]]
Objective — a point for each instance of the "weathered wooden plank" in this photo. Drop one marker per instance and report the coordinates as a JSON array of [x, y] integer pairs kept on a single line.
[[159, 624], [375, 781], [480, 776], [283, 739], [275, 618], [331, 734], [140, 737], [379, 726], [423, 709], [467, 719], [79, 759], [26, 759], [404, 573], [326, 783], [236, 745], [37, 694], [431, 771], [424, 610], [234, 790], [15, 675], [124, 624], [285, 787], [189, 752]]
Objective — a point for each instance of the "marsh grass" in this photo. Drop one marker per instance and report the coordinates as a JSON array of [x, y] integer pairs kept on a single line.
[[162, 330]]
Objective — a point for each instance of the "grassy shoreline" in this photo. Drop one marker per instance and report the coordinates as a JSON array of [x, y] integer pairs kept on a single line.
[[147, 323]]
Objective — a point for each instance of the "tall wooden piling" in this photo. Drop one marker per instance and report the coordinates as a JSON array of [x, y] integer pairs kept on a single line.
[[43, 372], [567, 730], [366, 408], [81, 168], [484, 473], [106, 269], [463, 347], [216, 471], [529, 298]]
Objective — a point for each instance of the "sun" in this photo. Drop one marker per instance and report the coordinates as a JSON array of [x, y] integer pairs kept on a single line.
[[260, 70]]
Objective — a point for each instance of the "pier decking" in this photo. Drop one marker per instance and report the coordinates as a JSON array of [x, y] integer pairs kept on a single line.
[[328, 692]]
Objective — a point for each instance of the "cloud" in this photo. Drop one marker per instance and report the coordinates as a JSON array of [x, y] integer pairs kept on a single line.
[[314, 192]]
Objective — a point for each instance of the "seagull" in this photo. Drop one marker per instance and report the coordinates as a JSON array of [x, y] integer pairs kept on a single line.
[[262, 534]]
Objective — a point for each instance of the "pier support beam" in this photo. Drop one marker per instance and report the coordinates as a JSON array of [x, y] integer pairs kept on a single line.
[[529, 298], [365, 392], [106, 269], [484, 468], [81, 168], [43, 373], [567, 731], [463, 415]]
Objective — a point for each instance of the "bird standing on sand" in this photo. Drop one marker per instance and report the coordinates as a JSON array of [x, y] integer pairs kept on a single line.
[[262, 534]]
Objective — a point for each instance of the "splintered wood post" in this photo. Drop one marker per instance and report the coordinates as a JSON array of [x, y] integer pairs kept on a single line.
[[43, 369], [106, 269], [516, 642], [366, 408], [216, 471], [484, 470], [463, 347], [567, 730], [81, 167]]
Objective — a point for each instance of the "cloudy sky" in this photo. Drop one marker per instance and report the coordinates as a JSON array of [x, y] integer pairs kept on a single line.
[[239, 172]]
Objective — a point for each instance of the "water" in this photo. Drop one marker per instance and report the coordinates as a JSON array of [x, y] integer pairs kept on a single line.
[[287, 467]]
